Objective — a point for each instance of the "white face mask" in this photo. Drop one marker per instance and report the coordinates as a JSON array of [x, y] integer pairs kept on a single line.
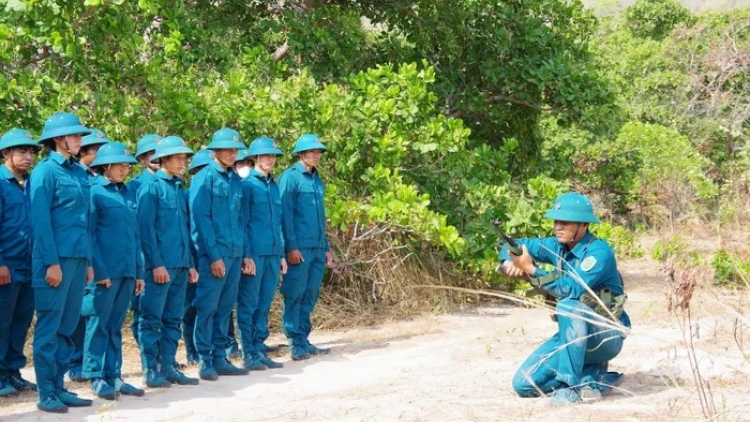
[[243, 172]]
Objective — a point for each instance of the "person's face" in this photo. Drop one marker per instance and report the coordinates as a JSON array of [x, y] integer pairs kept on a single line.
[[21, 158], [145, 160], [565, 231], [265, 162], [70, 143], [310, 158], [89, 153], [174, 164], [117, 172], [226, 157]]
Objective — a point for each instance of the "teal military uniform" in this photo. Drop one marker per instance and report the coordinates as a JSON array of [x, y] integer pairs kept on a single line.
[[165, 242], [576, 358], [201, 159], [304, 229], [75, 369], [60, 212], [145, 145], [116, 256], [17, 297], [263, 233], [216, 225]]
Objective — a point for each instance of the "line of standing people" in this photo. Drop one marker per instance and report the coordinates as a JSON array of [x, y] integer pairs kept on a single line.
[[79, 246]]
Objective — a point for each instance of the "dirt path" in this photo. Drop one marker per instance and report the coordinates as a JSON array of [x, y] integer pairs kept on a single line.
[[457, 368]]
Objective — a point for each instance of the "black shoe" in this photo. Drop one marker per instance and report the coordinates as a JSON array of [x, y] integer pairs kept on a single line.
[[176, 377], [51, 404], [224, 367], [71, 400], [21, 384]]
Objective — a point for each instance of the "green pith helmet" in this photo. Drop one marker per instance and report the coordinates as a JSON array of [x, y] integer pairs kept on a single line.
[[171, 145], [572, 207], [201, 159], [62, 124], [226, 138], [96, 137], [146, 144], [308, 142], [263, 146], [113, 153], [18, 138], [243, 155]]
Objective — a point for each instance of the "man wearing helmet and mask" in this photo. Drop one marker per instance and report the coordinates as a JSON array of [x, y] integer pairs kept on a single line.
[[572, 365]]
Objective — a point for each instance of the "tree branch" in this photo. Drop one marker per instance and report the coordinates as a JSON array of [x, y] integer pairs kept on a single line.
[[280, 52]]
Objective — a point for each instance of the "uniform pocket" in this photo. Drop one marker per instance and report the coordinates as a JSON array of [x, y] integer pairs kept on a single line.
[[47, 298]]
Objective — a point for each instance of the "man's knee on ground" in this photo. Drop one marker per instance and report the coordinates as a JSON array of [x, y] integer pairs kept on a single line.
[[524, 386]]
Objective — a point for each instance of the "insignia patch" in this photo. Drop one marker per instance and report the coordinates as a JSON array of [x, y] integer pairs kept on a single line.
[[275, 145], [184, 143], [557, 206], [236, 138], [211, 155], [588, 263], [126, 151], [28, 135], [99, 135]]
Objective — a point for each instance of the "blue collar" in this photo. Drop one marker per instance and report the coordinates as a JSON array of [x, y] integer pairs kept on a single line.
[[161, 175], [59, 159], [302, 169], [258, 175], [5, 173], [579, 250]]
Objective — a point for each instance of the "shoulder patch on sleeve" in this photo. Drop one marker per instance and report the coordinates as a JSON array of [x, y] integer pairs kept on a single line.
[[588, 263]]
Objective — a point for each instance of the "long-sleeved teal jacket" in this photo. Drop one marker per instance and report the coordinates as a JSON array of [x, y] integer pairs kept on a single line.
[[60, 210], [163, 223], [216, 213], [115, 241], [263, 201], [302, 210]]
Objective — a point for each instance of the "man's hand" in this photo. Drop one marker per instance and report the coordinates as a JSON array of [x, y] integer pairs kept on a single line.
[[329, 259], [248, 266], [90, 274], [218, 269], [193, 276], [283, 266], [4, 275], [106, 283], [524, 262], [294, 257], [139, 286], [161, 275], [54, 275], [511, 270]]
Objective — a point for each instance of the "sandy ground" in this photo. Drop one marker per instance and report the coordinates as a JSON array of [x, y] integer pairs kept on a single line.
[[458, 367]]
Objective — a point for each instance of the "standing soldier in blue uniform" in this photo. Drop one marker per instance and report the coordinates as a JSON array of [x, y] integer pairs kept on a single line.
[[589, 312], [201, 159], [18, 148], [165, 242], [118, 271], [216, 214], [89, 146], [263, 232], [305, 242], [144, 151], [61, 258]]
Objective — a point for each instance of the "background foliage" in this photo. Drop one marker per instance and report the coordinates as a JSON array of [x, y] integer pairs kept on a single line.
[[440, 116]]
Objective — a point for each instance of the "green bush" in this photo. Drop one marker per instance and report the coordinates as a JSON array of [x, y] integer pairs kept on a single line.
[[656, 18], [730, 268]]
